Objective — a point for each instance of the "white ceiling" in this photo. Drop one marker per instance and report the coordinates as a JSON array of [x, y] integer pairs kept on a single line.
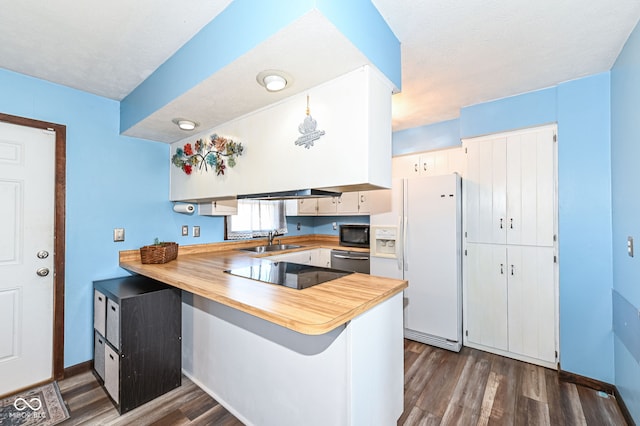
[[454, 52]]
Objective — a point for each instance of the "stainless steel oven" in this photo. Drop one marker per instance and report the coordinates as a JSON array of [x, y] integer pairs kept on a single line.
[[354, 235], [347, 260]]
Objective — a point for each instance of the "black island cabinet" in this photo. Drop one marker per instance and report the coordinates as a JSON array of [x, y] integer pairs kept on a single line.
[[137, 344]]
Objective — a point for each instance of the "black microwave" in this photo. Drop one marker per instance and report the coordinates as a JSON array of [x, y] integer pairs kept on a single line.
[[354, 235]]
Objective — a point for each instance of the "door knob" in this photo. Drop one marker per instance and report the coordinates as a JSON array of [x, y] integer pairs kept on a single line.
[[42, 272], [42, 254]]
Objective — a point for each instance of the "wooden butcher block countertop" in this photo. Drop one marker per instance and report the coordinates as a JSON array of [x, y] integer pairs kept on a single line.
[[315, 310]]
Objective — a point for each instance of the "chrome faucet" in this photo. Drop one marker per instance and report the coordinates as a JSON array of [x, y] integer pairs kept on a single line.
[[272, 235]]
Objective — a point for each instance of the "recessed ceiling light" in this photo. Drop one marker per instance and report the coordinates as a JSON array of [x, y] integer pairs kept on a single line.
[[273, 80], [185, 124]]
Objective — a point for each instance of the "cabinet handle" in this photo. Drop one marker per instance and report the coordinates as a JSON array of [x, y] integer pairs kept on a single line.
[[415, 167], [511, 223], [500, 223], [111, 356], [502, 269], [113, 308], [424, 166], [362, 198], [99, 298], [511, 269]]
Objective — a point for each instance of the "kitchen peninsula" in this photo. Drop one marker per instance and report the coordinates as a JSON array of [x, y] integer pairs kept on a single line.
[[329, 354]]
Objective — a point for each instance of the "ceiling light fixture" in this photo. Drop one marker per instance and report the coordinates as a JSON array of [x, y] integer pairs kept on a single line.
[[273, 80], [185, 124]]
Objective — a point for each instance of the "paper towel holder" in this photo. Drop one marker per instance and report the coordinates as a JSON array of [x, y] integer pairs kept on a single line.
[[184, 208]]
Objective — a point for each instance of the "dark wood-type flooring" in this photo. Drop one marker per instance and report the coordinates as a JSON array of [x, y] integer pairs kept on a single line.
[[441, 388]]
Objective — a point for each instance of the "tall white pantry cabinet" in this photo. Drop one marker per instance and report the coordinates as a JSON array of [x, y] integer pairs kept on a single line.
[[510, 245]]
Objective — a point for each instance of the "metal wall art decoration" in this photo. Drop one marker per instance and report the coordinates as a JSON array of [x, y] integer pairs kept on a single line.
[[308, 130], [208, 153]]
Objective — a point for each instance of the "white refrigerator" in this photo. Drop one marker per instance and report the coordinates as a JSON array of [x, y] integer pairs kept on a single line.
[[416, 235]]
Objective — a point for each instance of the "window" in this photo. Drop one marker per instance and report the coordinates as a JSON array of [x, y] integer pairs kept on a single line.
[[256, 218]]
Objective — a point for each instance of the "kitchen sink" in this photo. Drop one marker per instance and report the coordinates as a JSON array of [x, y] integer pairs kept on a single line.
[[270, 248]]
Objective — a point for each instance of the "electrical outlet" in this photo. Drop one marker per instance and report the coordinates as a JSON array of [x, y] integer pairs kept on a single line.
[[118, 234], [298, 226], [196, 231], [335, 226], [185, 230]]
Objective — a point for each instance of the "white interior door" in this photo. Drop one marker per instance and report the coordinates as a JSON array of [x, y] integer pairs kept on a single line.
[[27, 179]]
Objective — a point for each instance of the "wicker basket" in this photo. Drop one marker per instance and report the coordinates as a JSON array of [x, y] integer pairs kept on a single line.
[[159, 253]]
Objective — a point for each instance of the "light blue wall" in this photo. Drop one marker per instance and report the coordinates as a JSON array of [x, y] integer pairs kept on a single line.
[[112, 181], [625, 130], [584, 184], [445, 134], [581, 109]]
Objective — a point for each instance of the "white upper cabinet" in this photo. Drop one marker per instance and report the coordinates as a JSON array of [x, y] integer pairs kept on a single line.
[[431, 163], [348, 204], [218, 208], [510, 190], [353, 113]]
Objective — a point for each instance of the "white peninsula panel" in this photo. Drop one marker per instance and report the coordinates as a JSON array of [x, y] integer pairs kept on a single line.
[[266, 374]]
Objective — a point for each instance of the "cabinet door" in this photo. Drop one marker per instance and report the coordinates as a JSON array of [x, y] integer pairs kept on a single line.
[[405, 166], [531, 294], [485, 190], [530, 188], [321, 257], [363, 202], [218, 208], [327, 205], [307, 207], [485, 294], [347, 203]]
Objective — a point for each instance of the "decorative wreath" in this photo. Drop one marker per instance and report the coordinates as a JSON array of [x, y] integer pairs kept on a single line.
[[208, 153]]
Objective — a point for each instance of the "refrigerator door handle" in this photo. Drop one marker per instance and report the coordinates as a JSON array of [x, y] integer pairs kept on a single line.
[[399, 247], [404, 242]]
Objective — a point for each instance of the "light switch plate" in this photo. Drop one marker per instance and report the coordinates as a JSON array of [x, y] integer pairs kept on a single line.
[[630, 246], [185, 230], [196, 231], [118, 234]]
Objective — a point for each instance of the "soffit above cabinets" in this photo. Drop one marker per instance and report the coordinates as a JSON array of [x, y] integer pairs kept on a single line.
[[312, 50]]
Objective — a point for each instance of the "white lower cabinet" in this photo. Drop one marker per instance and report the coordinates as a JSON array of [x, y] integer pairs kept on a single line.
[[316, 257], [303, 257], [321, 257], [510, 301]]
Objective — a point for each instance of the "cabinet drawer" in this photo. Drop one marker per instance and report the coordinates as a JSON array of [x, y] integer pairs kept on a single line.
[[112, 372], [99, 311], [113, 323], [98, 354]]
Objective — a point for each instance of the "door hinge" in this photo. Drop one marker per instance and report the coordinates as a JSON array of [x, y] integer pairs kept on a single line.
[[555, 137], [49, 131], [556, 355], [465, 252], [555, 238], [465, 234], [555, 259], [466, 333], [466, 151]]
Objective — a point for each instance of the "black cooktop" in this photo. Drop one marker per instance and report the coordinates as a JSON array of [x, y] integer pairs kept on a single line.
[[288, 274]]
